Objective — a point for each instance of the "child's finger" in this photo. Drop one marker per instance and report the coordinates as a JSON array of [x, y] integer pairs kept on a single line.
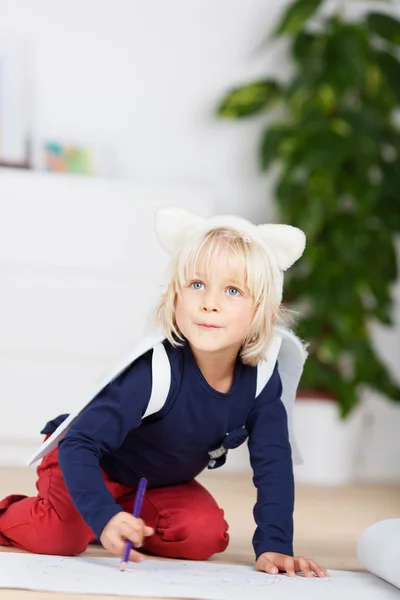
[[267, 566], [304, 566], [140, 527], [133, 535], [115, 545], [320, 571], [288, 564], [135, 556]]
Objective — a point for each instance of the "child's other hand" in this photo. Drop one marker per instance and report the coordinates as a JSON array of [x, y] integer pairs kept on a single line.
[[120, 528], [272, 562]]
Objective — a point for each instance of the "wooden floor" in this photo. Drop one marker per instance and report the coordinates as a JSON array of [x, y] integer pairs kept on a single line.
[[328, 521]]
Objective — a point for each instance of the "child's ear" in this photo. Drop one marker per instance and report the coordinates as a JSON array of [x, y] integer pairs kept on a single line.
[[286, 242], [174, 225]]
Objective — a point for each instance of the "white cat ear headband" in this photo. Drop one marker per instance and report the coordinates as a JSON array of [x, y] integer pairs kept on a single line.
[[284, 244]]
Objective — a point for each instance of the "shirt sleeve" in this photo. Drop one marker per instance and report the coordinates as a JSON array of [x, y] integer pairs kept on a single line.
[[271, 461], [100, 429]]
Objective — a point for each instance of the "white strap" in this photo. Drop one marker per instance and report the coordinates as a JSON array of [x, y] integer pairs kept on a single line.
[[292, 357], [291, 354], [266, 367], [161, 374], [156, 397]]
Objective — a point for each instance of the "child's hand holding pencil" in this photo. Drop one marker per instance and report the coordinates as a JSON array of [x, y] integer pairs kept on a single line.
[[124, 531]]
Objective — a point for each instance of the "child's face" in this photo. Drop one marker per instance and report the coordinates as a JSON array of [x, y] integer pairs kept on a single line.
[[215, 311]]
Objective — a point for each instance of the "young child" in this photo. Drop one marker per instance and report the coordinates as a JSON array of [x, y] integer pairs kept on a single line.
[[218, 314]]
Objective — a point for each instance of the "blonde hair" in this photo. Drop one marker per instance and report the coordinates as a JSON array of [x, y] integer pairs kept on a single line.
[[248, 259]]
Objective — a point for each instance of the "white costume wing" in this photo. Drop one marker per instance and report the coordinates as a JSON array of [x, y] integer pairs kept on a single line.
[[161, 382], [284, 347], [291, 355]]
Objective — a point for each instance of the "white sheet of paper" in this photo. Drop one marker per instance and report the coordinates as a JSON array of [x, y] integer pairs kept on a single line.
[[378, 550], [181, 579]]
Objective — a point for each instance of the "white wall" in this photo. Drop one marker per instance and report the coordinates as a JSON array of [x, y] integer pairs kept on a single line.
[[138, 82]]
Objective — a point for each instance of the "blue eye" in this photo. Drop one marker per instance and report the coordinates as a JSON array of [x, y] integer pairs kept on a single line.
[[196, 285], [235, 291]]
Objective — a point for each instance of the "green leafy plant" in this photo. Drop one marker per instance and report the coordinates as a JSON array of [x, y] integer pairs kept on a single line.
[[336, 142]]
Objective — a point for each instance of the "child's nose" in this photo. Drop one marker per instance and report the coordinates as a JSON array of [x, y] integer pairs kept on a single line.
[[210, 303]]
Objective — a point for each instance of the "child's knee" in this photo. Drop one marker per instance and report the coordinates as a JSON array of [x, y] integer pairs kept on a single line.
[[33, 524], [208, 534], [197, 536], [64, 539]]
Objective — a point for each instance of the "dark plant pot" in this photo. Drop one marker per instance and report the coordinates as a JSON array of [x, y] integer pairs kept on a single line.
[[314, 395]]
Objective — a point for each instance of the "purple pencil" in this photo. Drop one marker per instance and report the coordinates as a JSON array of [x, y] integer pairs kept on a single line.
[[136, 513]]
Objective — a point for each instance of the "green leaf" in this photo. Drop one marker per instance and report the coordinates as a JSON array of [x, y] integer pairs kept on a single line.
[[371, 371], [388, 208], [383, 315], [373, 79], [346, 57], [329, 349], [385, 26], [326, 150], [249, 99], [326, 97], [346, 395], [296, 14], [271, 144], [303, 45], [391, 68]]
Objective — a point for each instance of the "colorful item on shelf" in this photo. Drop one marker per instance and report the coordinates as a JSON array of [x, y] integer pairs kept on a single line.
[[61, 158]]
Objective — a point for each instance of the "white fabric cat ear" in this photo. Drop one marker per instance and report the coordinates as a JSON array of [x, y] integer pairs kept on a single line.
[[175, 225], [286, 242]]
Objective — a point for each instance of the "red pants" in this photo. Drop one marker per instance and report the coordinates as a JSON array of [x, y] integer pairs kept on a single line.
[[187, 521]]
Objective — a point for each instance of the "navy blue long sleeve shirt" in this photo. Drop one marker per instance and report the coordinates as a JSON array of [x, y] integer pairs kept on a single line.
[[172, 446]]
